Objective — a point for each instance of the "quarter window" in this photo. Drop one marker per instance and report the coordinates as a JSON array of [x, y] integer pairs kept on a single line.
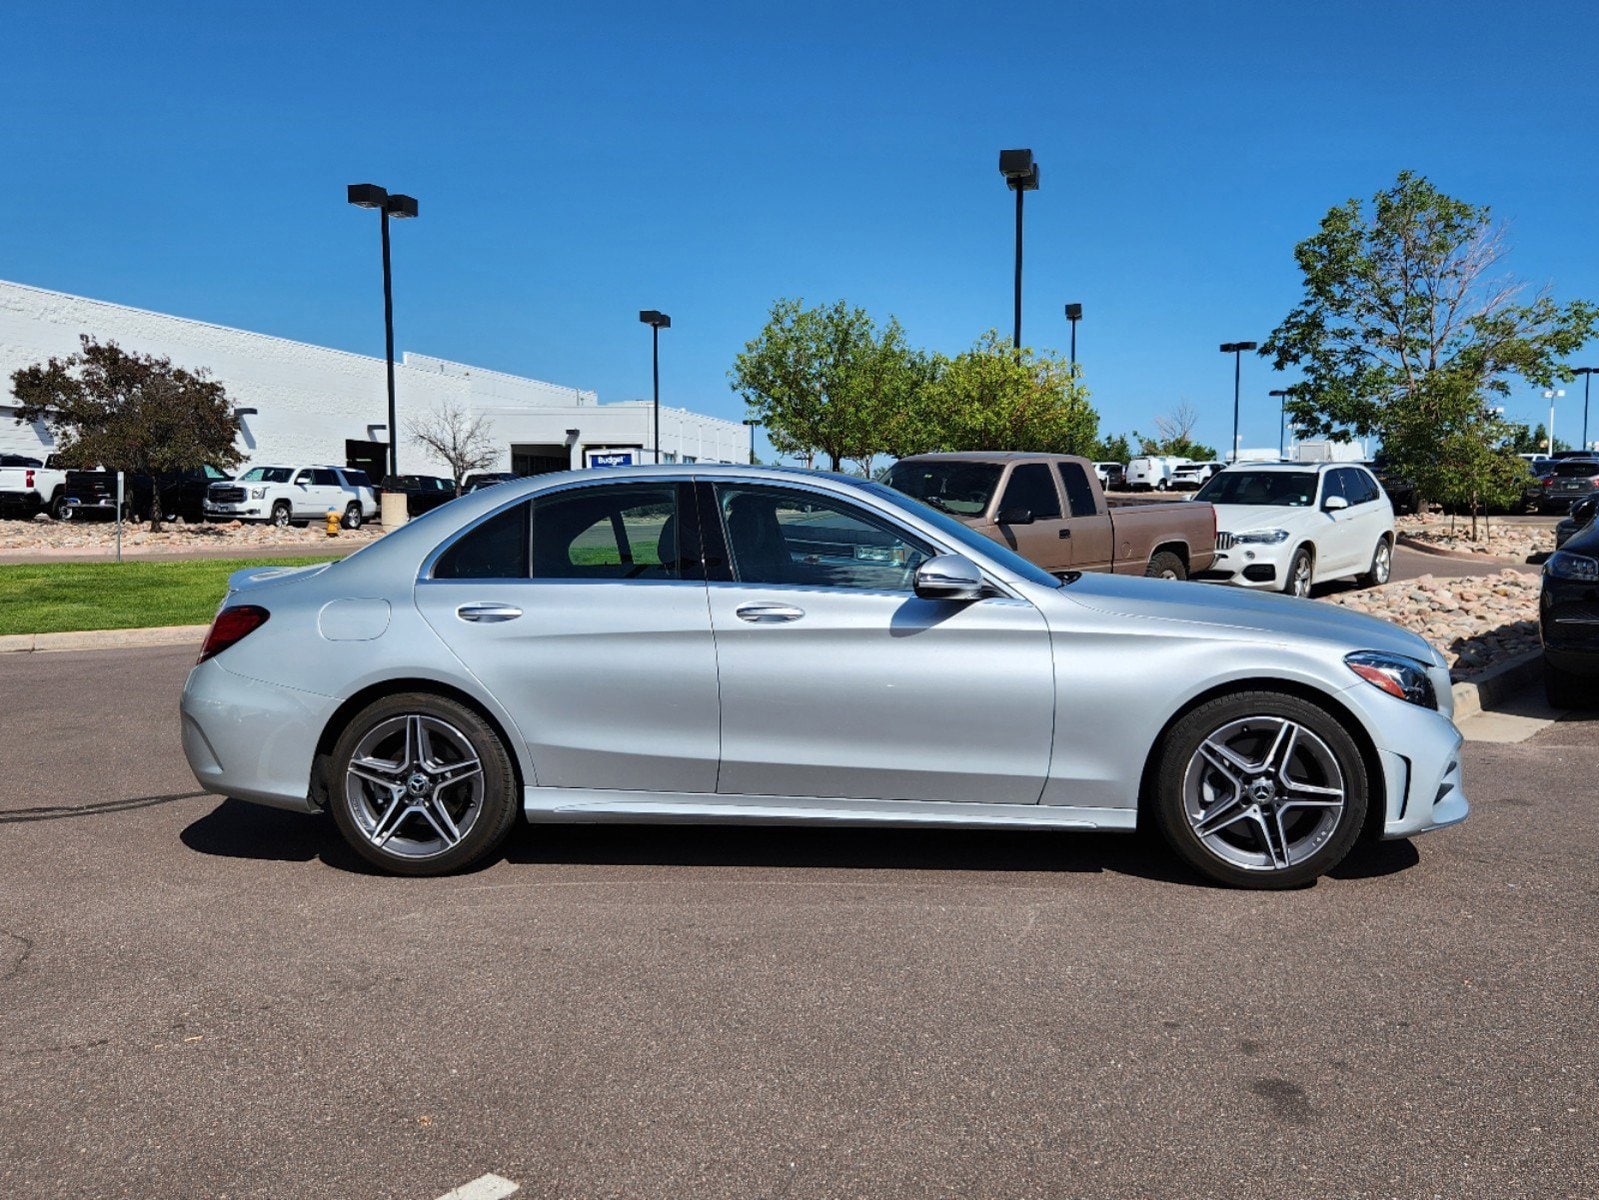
[[779, 536], [1032, 488], [496, 549]]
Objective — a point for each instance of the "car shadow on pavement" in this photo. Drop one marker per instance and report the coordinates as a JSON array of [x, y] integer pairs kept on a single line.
[[239, 829]]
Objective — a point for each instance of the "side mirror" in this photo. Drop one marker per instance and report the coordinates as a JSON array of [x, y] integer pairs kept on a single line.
[[1015, 516], [949, 577], [1334, 503]]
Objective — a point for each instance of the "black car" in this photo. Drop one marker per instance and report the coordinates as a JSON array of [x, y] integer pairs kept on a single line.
[[422, 493], [1568, 620], [1567, 481], [1402, 493], [1582, 514]]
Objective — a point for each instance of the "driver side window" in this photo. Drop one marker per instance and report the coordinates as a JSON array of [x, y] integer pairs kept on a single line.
[[783, 536]]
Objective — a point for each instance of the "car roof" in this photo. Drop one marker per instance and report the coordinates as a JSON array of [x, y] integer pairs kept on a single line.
[[947, 456], [1290, 466]]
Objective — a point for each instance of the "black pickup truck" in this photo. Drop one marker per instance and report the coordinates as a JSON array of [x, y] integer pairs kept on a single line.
[[182, 493]]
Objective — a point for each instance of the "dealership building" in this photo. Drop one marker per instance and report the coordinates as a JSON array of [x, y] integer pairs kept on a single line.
[[308, 404]]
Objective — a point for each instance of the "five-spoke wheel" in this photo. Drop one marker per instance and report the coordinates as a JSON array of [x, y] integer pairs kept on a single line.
[[1261, 789], [421, 785]]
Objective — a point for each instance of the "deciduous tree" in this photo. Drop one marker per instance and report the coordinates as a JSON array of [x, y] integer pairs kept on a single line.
[[993, 397], [457, 437], [129, 412]]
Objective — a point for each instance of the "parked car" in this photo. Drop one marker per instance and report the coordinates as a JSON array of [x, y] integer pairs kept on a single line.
[[1049, 508], [287, 495], [1568, 620], [183, 493], [1112, 476], [671, 646], [27, 486], [1582, 514], [1190, 477], [1569, 480], [1401, 490], [1288, 525], [423, 493], [1152, 472], [474, 480]]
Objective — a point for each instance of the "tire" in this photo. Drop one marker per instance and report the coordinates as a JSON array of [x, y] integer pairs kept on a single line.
[[59, 509], [352, 516], [1563, 689], [1162, 486], [280, 514], [1382, 564], [421, 785], [1297, 581], [1260, 790], [1163, 564]]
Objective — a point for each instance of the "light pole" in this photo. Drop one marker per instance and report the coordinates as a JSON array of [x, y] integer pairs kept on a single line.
[[1074, 314], [370, 195], [657, 321], [1236, 349], [1021, 175], [1587, 374], [1282, 395], [1551, 395], [752, 423]]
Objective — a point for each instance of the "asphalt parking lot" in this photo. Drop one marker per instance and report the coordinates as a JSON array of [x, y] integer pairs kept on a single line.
[[199, 997]]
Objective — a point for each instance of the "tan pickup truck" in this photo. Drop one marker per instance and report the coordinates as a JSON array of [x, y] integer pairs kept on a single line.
[[1050, 510]]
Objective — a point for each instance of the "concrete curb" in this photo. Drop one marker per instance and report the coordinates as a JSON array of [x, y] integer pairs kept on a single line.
[[1497, 682], [1409, 543], [103, 639]]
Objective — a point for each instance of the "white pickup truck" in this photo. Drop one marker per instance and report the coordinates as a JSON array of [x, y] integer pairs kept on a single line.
[[27, 485]]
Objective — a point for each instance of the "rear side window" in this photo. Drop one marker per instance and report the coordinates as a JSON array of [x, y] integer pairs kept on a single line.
[[496, 549], [1032, 487], [621, 532], [1079, 494], [323, 477]]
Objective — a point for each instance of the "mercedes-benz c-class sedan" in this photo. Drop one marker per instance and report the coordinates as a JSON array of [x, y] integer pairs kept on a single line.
[[730, 644]]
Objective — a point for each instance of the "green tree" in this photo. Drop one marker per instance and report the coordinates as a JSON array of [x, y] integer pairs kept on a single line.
[[1399, 293], [1526, 440], [1459, 451], [828, 381], [1114, 449], [993, 397], [129, 412]]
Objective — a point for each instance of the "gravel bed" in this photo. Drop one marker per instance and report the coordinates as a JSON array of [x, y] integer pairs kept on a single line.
[[1494, 540], [1475, 620], [42, 536]]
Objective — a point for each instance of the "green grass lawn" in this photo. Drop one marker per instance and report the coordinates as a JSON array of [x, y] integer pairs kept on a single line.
[[54, 597]]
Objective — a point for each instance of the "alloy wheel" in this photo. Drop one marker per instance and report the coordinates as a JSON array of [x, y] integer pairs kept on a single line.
[[414, 786]]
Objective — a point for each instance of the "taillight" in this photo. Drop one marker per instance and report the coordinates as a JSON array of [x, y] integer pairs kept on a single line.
[[28, 480], [232, 625]]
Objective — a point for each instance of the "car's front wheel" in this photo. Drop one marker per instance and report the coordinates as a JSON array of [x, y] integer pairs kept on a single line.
[[421, 785], [352, 516], [1297, 581], [1260, 789]]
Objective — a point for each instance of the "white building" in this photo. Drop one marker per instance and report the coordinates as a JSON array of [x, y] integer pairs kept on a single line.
[[309, 404]]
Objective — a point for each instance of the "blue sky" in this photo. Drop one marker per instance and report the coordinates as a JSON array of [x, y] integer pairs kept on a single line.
[[577, 163]]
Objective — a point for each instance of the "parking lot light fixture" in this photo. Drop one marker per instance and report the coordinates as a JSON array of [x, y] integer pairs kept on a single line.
[[1551, 395], [657, 321], [1282, 395], [1074, 314], [1021, 175], [752, 423], [400, 207], [1587, 374], [1236, 349]]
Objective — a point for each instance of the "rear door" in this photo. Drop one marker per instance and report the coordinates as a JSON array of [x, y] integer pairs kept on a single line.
[[1032, 488], [1091, 544]]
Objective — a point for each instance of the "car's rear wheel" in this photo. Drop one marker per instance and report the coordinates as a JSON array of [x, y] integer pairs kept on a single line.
[[60, 510], [1297, 581], [280, 514], [352, 516], [1261, 790], [1163, 564], [1382, 564], [421, 785]]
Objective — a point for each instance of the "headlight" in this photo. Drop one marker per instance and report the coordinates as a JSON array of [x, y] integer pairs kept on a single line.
[[1263, 537], [258, 493], [1401, 677], [1562, 565]]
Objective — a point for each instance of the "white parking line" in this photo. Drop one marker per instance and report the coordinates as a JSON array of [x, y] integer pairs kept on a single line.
[[489, 1187]]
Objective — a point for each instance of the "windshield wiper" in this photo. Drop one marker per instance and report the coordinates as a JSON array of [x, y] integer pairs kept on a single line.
[[940, 505]]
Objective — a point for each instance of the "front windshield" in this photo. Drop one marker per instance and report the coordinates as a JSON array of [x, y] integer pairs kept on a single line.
[[961, 488], [266, 475], [1276, 489], [966, 536]]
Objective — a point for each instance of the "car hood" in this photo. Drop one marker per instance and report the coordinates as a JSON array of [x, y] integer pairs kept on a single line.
[[1256, 616], [1240, 518]]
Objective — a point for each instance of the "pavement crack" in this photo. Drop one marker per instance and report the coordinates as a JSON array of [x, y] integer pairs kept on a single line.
[[55, 812], [15, 967]]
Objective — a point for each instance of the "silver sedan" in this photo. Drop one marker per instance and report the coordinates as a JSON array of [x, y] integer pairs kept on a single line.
[[721, 644]]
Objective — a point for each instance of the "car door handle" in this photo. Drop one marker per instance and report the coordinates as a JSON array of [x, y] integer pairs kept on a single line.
[[1065, 533], [768, 614], [488, 612]]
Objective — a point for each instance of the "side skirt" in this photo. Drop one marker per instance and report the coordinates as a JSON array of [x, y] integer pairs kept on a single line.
[[583, 805]]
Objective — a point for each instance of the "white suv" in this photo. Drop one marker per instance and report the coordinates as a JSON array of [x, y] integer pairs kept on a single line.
[[285, 495], [1284, 526]]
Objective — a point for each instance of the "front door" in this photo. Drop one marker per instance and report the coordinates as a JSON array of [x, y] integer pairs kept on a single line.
[[583, 611], [836, 681]]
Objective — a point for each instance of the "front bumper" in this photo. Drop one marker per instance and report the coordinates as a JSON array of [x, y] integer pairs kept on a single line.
[[1250, 565], [248, 510], [1419, 751], [250, 739]]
